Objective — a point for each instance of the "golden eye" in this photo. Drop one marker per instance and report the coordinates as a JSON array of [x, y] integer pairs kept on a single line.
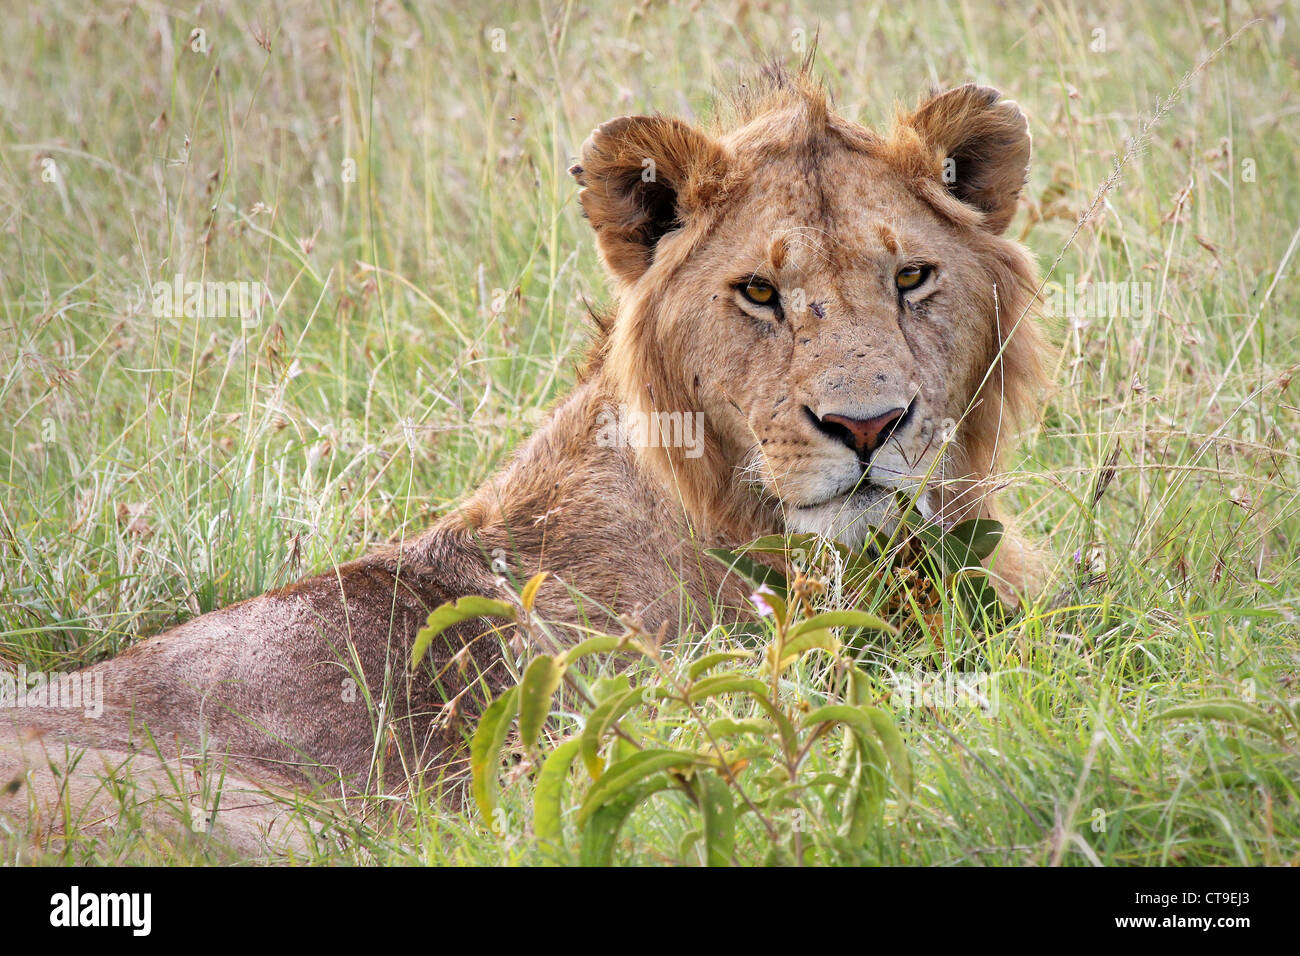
[[909, 277], [758, 292]]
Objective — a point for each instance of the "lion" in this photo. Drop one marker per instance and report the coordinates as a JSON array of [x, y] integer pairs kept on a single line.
[[810, 320]]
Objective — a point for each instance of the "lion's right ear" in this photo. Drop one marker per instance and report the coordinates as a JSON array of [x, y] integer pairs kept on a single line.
[[983, 142], [642, 177]]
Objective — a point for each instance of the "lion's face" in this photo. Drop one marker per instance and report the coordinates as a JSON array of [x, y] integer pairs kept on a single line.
[[844, 344], [837, 310]]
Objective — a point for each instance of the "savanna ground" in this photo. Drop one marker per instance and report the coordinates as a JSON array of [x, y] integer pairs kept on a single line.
[[395, 174]]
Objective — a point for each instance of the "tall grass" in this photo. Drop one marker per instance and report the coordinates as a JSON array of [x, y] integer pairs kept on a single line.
[[394, 174]]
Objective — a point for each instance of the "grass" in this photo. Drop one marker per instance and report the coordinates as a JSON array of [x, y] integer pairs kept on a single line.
[[395, 175]]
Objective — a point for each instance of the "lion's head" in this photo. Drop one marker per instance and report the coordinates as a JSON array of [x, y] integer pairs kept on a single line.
[[840, 305]]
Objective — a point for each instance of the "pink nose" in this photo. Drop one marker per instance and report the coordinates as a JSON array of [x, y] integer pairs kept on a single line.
[[865, 435]]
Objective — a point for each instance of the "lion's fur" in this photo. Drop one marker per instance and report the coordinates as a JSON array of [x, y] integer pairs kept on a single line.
[[785, 118], [262, 684]]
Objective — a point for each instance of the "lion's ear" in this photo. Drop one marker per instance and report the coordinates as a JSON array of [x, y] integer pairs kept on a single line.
[[984, 142], [642, 177]]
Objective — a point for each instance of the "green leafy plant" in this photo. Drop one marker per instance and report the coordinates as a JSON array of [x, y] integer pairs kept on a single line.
[[735, 738], [719, 732]]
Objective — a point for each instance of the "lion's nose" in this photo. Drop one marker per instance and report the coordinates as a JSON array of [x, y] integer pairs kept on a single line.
[[863, 435]]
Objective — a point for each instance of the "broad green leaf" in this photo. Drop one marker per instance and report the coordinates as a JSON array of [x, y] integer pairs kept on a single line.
[[725, 684], [592, 645], [931, 534], [548, 796], [687, 842], [601, 718], [466, 609], [604, 688], [485, 749], [600, 833], [979, 536], [859, 686], [841, 619], [726, 727], [848, 714], [755, 688], [756, 572], [713, 660], [823, 780], [536, 689], [866, 796], [895, 749], [978, 598], [868, 723], [719, 812], [963, 547], [865, 574], [622, 776], [784, 729], [792, 650]]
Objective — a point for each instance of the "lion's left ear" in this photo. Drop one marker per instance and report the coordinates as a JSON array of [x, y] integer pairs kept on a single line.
[[984, 141], [643, 177]]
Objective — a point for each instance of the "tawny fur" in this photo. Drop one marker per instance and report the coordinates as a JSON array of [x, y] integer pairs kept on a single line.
[[309, 688]]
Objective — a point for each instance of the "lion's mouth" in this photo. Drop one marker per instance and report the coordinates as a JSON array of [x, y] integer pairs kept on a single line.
[[849, 517], [861, 495], [852, 516]]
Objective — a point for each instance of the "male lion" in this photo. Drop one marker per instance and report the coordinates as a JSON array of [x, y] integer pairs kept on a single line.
[[837, 308]]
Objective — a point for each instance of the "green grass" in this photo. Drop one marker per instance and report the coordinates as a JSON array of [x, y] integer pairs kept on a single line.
[[427, 310]]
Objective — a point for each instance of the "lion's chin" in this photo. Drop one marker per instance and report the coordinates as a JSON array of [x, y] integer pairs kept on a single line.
[[848, 519]]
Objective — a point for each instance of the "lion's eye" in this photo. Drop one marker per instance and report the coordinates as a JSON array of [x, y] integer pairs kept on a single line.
[[909, 277], [759, 292]]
